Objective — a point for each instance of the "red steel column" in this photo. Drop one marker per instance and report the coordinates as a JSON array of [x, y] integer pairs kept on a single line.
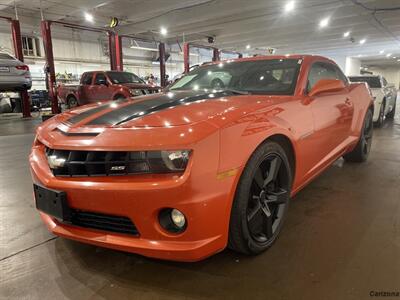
[[17, 43], [186, 56], [215, 54], [111, 48], [118, 52], [48, 50], [161, 50]]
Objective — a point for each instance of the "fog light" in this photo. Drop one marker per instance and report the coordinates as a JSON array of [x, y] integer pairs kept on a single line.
[[178, 218], [172, 220]]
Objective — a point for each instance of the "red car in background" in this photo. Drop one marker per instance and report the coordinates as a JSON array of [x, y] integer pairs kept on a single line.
[[180, 175], [104, 85]]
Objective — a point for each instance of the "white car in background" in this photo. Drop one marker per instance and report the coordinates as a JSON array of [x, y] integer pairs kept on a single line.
[[384, 96], [14, 74]]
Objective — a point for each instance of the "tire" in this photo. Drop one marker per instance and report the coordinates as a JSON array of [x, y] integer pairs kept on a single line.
[[381, 118], [72, 102], [361, 151], [261, 203], [393, 112]]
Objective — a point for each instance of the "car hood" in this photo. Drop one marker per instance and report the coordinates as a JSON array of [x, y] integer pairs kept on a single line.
[[159, 110], [152, 121], [139, 86]]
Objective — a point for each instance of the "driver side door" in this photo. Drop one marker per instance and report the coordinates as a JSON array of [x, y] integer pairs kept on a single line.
[[332, 114]]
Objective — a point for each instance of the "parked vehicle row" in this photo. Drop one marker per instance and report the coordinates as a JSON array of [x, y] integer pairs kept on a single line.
[[384, 96], [184, 173]]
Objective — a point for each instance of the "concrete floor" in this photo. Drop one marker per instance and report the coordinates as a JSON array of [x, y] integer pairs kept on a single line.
[[341, 240]]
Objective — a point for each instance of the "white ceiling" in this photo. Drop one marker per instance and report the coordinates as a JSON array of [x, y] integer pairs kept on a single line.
[[237, 23]]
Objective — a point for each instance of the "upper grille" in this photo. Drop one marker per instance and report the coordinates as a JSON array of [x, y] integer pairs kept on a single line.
[[105, 163], [103, 222]]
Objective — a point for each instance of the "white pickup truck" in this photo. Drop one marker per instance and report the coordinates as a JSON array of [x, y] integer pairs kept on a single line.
[[384, 96]]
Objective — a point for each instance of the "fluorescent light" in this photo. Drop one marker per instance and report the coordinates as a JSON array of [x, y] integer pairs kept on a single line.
[[363, 41], [248, 47], [143, 48], [389, 55], [382, 51], [289, 6], [163, 31], [89, 17], [324, 22], [346, 34]]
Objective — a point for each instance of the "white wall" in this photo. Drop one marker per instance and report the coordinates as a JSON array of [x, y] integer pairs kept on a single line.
[[353, 66], [392, 74]]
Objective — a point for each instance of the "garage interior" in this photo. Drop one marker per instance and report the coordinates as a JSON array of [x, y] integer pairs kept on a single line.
[[341, 239]]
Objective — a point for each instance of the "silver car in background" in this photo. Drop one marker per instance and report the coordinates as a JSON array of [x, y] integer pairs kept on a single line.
[[14, 74]]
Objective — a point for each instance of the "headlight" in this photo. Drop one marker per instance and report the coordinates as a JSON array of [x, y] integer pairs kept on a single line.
[[135, 92], [175, 160]]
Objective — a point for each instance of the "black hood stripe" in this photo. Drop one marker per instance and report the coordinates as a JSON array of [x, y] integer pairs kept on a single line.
[[90, 112], [154, 104]]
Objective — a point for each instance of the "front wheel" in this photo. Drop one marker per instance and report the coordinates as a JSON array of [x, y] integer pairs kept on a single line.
[[261, 200], [361, 151]]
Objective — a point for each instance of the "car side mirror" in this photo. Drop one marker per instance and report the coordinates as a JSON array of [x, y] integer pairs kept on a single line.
[[326, 85]]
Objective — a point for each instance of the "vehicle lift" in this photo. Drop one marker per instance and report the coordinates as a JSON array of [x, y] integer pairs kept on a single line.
[[17, 45], [216, 53]]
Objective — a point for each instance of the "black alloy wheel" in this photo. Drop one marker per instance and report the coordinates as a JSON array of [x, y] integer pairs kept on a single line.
[[269, 197], [381, 118], [366, 137], [361, 152], [261, 200]]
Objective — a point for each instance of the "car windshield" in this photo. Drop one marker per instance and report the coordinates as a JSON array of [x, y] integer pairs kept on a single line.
[[5, 56], [373, 81], [124, 77], [269, 76]]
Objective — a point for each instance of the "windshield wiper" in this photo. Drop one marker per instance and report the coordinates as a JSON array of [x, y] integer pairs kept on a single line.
[[233, 91]]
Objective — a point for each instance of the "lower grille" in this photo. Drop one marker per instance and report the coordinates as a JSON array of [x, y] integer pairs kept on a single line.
[[103, 222]]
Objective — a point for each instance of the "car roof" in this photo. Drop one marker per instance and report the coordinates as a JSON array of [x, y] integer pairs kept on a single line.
[[271, 57], [372, 75]]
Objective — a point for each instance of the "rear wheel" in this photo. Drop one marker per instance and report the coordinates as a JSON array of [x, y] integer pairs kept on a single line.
[[72, 102], [393, 112], [381, 119], [361, 151], [261, 200]]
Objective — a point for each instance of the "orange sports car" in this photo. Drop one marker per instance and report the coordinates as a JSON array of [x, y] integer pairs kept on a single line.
[[209, 163]]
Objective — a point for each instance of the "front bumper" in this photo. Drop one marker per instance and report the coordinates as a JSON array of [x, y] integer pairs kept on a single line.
[[204, 198]]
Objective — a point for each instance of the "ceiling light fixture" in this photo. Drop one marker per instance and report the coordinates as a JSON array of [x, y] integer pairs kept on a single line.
[[389, 55], [248, 47], [89, 17], [289, 6], [346, 34], [163, 31], [324, 22], [363, 41], [382, 51]]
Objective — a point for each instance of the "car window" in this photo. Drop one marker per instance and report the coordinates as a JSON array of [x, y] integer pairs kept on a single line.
[[340, 75], [118, 77], [270, 76], [373, 81], [87, 78], [320, 71], [100, 79], [5, 56]]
